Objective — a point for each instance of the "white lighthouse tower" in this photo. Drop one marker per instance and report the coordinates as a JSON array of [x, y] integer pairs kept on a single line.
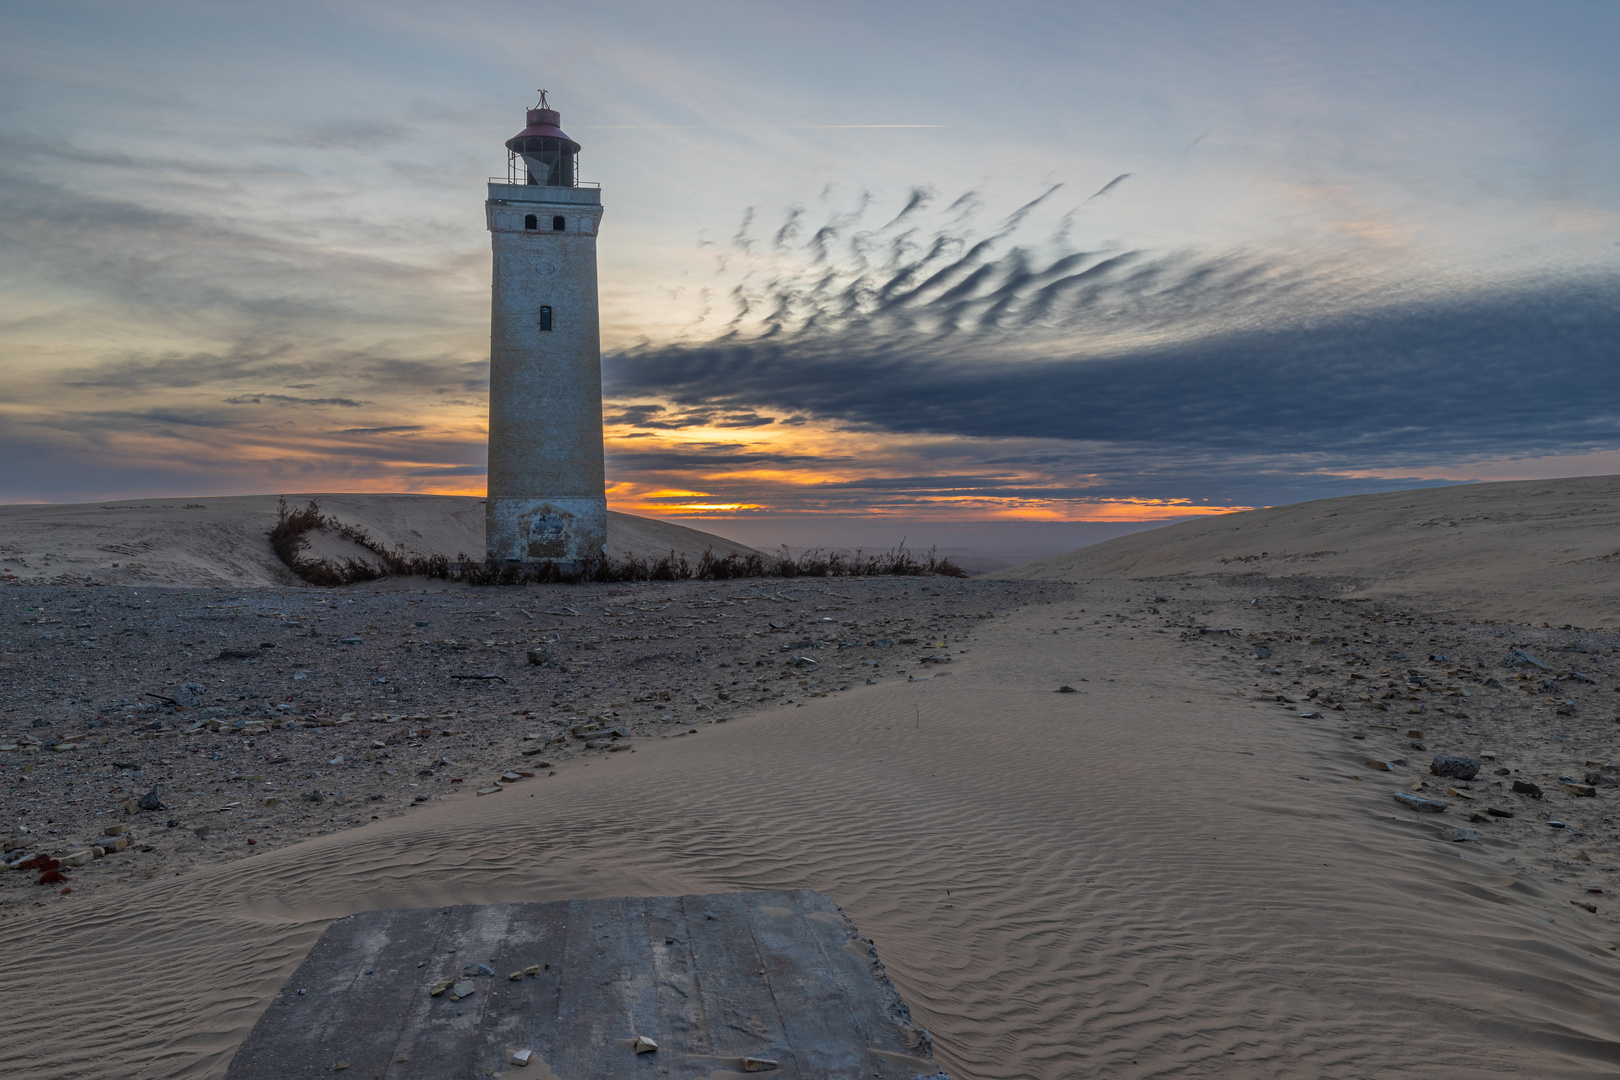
[[547, 499]]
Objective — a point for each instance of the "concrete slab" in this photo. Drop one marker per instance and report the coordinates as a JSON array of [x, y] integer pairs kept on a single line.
[[724, 984]]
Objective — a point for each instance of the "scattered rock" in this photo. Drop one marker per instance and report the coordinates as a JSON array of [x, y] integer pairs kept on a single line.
[[521, 1057], [1459, 836], [1420, 804], [1061, 689], [1585, 906], [461, 989], [644, 1045], [150, 801], [1525, 787], [1454, 765], [1585, 791], [1520, 658]]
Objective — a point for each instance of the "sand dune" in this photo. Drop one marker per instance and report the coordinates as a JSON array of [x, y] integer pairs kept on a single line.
[[223, 541], [1529, 550]]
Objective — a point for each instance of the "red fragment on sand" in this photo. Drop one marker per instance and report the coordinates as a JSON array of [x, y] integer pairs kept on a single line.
[[51, 877], [39, 862], [455, 780], [65, 891], [252, 841]]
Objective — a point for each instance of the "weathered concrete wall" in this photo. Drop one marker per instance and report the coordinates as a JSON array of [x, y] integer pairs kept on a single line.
[[546, 474]]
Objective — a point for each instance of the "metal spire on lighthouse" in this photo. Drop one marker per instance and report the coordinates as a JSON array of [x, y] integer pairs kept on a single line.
[[547, 490]]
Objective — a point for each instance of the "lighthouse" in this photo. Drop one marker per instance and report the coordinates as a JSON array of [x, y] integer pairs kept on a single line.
[[547, 497]]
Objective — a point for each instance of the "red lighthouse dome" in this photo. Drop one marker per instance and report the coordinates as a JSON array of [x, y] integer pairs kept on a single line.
[[549, 156]]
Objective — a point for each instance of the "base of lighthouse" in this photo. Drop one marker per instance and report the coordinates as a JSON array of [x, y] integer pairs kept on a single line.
[[540, 530]]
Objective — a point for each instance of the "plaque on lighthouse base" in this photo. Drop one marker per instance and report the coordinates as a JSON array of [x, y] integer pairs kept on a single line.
[[541, 530]]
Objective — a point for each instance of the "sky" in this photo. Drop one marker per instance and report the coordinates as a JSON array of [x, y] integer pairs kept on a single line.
[[867, 270]]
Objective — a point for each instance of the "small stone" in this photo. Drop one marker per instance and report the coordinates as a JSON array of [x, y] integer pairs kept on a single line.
[[1583, 790], [149, 801], [1525, 787], [1459, 836], [644, 1045], [115, 830], [1583, 904], [1494, 812], [340, 1066], [1463, 768], [510, 777], [1067, 690], [754, 1064], [464, 988], [1420, 804], [516, 976], [532, 969], [521, 1057], [438, 988], [1379, 766], [78, 858], [349, 641], [619, 746], [496, 789]]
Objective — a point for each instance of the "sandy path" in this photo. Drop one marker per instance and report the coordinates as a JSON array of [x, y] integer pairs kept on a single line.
[[1129, 881]]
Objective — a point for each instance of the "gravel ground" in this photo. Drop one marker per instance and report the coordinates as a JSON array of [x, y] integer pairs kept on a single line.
[[262, 716]]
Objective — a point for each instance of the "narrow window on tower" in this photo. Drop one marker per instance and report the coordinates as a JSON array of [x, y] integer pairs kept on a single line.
[[545, 318], [558, 224], [531, 222]]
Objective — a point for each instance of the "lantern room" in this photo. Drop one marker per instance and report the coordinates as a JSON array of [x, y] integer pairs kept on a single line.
[[542, 153]]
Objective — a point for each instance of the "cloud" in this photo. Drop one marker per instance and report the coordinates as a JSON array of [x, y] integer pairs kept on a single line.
[[283, 399], [1110, 186], [1291, 369]]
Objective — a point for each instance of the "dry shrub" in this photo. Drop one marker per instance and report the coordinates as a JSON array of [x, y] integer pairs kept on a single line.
[[289, 540]]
